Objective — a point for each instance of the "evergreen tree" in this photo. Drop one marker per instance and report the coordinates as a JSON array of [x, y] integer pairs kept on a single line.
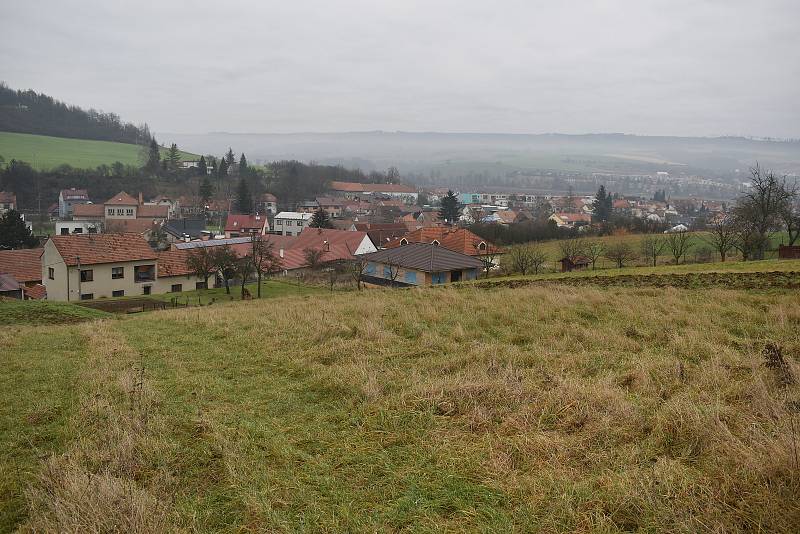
[[222, 170], [229, 159], [244, 200], [14, 233], [242, 165], [320, 219], [450, 209], [202, 168], [603, 204], [153, 157], [173, 158], [206, 189]]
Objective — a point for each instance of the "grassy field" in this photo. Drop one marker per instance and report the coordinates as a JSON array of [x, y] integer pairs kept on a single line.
[[43, 313], [532, 409], [44, 152]]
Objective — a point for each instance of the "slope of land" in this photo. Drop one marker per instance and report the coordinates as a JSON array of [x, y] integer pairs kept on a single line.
[[44, 152], [14, 312], [538, 408]]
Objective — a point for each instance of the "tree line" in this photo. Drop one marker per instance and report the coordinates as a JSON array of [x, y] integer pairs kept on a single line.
[[36, 113]]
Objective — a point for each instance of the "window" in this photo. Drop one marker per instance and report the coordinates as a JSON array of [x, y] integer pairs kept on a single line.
[[146, 289], [387, 271], [438, 278], [51, 273], [87, 275], [110, 211], [370, 269], [404, 241], [144, 273], [77, 231], [410, 277], [120, 211], [65, 231], [92, 230], [472, 274], [177, 288], [481, 246], [87, 296], [435, 243], [129, 212], [288, 223], [117, 273], [200, 285], [279, 222], [118, 293]]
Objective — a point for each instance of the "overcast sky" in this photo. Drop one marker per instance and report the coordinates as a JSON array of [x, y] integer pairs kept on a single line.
[[673, 67]]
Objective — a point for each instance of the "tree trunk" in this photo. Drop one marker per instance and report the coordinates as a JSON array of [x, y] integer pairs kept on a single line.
[[259, 284]]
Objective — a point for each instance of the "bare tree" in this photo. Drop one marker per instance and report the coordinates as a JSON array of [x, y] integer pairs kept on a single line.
[[520, 259], [538, 258], [593, 250], [790, 213], [722, 236], [620, 253], [244, 269], [760, 211], [572, 249], [263, 257], [225, 260], [488, 257], [201, 262], [313, 257], [652, 247], [393, 269], [678, 244], [357, 266]]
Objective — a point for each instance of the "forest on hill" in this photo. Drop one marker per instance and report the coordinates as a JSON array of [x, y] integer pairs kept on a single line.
[[37, 113]]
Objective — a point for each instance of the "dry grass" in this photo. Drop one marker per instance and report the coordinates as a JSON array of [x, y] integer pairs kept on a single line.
[[534, 409]]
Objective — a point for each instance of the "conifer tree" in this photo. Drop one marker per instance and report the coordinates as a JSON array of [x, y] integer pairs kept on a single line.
[[320, 219]]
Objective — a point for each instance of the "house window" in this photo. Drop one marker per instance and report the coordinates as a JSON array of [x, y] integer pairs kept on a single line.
[[481, 246], [410, 277], [117, 273], [77, 231], [439, 278], [404, 241], [144, 273], [87, 296], [110, 211], [87, 275], [65, 231], [201, 285], [146, 290], [288, 223], [472, 274], [387, 271], [177, 288], [370, 269], [120, 211], [118, 293], [435, 243], [279, 222], [92, 230], [129, 212], [51, 273]]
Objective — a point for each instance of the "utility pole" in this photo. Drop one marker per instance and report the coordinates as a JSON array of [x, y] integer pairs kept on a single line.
[[79, 277]]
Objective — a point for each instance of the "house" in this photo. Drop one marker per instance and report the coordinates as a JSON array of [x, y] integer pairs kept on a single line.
[[418, 264], [91, 266], [267, 204], [306, 206], [577, 263], [241, 225], [172, 205], [380, 233], [332, 206], [68, 198], [183, 229], [122, 213], [78, 227], [570, 220], [25, 265], [355, 190], [291, 222], [355, 242], [458, 240], [8, 202], [9, 287]]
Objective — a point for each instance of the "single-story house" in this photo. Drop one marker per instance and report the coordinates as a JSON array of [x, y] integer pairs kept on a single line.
[[418, 264], [242, 225]]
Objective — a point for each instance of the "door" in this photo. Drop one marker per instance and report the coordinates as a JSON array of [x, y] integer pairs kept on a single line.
[[455, 276]]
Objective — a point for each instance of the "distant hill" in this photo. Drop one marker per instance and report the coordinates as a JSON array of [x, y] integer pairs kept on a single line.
[[46, 152], [36, 113]]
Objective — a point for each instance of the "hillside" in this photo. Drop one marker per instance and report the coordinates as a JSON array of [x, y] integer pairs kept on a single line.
[[44, 152], [536, 408]]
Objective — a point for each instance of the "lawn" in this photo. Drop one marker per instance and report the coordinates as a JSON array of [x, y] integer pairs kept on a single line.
[[531, 409], [15, 312], [44, 152]]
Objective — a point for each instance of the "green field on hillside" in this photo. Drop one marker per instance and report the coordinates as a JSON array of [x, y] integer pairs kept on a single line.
[[43, 152], [544, 409]]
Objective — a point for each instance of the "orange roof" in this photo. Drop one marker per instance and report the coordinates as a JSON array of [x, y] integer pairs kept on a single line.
[[506, 216], [36, 292], [355, 187], [156, 212], [102, 248], [173, 263], [130, 226], [244, 223], [124, 199], [25, 265], [455, 239], [6, 197], [316, 238], [88, 210]]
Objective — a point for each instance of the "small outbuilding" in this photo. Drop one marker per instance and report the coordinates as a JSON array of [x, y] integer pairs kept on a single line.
[[577, 263]]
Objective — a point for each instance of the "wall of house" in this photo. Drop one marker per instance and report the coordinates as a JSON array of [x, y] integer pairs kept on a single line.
[[188, 283], [415, 277], [127, 212], [86, 227]]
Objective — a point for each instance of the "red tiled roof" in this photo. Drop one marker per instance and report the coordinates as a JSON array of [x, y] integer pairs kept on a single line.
[[243, 223], [25, 265], [36, 292], [507, 216], [575, 217], [268, 197], [156, 212], [173, 263], [455, 239], [316, 238], [6, 197], [81, 194], [88, 210], [123, 199], [355, 187], [621, 204], [130, 226], [102, 248]]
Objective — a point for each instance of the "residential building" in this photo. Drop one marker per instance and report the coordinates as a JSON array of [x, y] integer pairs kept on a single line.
[[242, 225], [78, 227], [570, 220], [267, 204], [121, 213], [8, 201], [10, 288], [291, 223], [68, 198], [185, 229], [354, 190], [333, 207], [380, 233], [25, 265], [419, 264], [306, 206], [85, 267], [458, 240]]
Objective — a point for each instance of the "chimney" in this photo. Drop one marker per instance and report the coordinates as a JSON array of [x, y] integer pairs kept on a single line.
[[280, 253], [141, 201]]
